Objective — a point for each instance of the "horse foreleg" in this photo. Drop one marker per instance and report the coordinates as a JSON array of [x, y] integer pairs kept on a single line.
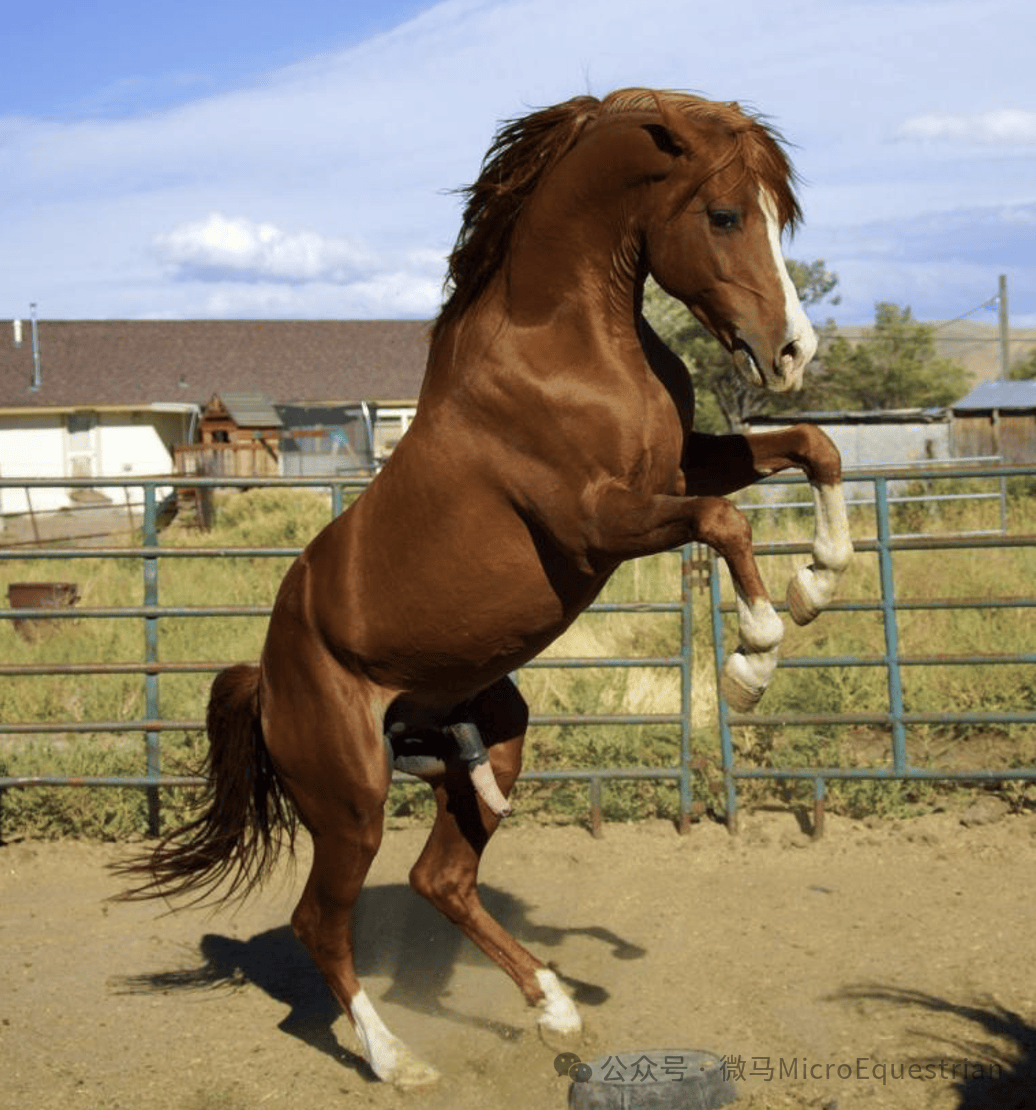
[[813, 587], [722, 464], [808, 448], [748, 670], [447, 871]]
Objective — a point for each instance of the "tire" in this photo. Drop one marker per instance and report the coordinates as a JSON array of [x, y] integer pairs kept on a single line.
[[652, 1079]]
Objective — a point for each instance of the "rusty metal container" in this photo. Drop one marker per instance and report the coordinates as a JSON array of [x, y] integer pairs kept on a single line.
[[39, 595]]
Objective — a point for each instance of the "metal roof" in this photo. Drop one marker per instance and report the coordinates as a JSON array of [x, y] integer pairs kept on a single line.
[[999, 395], [867, 416], [250, 409]]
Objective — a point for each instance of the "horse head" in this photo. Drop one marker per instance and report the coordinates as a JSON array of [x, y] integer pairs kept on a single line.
[[720, 197]]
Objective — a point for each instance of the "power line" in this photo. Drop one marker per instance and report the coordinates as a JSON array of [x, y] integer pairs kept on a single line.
[[990, 305]]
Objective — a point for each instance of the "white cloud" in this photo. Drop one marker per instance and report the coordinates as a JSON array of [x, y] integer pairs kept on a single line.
[[234, 266], [1002, 127], [331, 174], [222, 248]]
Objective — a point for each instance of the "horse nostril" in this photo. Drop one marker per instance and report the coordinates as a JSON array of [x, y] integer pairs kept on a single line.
[[789, 354]]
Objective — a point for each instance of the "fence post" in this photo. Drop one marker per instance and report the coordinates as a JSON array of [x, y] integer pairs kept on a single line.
[[723, 711], [152, 742], [686, 691], [888, 615]]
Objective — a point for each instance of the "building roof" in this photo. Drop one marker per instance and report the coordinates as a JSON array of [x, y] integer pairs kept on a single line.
[[999, 395], [868, 416], [90, 363], [248, 409]]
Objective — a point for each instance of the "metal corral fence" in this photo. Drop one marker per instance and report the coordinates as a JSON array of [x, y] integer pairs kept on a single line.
[[894, 717], [696, 566]]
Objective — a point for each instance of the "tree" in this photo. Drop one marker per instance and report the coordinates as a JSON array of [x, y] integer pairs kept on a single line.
[[894, 367], [1024, 369], [723, 399]]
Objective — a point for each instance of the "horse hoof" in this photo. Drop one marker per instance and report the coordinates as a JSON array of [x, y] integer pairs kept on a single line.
[[411, 1072], [560, 1017], [740, 698], [739, 686], [803, 607]]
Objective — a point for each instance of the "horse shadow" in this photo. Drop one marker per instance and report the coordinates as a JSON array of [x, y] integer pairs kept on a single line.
[[995, 1069], [397, 935]]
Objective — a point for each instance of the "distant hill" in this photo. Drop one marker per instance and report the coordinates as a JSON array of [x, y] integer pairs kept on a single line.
[[974, 346]]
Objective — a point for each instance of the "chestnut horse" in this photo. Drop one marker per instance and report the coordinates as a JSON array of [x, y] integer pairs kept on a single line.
[[553, 439]]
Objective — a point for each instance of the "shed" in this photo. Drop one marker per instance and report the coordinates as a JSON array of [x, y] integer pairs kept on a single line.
[[997, 418], [885, 437], [240, 436]]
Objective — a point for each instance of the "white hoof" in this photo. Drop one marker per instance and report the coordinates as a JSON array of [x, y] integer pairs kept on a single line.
[[410, 1072], [559, 1011], [388, 1057], [803, 596], [745, 678]]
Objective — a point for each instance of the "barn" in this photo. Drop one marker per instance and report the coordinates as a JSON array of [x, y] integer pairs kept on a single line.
[[997, 418], [882, 438], [114, 398]]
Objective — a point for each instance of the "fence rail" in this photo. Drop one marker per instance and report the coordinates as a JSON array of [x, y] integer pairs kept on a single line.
[[894, 717]]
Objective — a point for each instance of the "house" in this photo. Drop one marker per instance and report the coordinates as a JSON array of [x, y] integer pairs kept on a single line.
[[998, 419], [99, 398]]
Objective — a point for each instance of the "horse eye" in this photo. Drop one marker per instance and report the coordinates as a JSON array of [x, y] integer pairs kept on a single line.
[[725, 219]]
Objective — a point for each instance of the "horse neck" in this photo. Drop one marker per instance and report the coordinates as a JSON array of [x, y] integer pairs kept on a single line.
[[575, 266], [566, 301]]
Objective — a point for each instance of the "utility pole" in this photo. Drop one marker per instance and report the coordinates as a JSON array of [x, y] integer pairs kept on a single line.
[[36, 380], [1005, 352]]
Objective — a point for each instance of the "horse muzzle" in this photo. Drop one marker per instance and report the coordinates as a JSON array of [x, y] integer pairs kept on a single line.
[[782, 371]]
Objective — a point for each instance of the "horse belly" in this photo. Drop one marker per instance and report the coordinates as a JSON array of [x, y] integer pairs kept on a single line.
[[446, 612]]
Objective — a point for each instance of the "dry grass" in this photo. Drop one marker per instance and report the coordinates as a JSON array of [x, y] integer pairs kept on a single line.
[[276, 517]]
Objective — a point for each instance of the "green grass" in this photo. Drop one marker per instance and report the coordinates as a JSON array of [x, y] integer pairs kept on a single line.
[[274, 517]]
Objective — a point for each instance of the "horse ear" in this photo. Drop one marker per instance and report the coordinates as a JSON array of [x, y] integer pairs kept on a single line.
[[664, 139]]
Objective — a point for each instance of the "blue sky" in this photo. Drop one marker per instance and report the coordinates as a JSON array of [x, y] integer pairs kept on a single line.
[[225, 159]]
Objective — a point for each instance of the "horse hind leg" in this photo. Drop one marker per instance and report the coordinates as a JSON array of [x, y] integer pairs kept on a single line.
[[323, 922], [340, 795], [447, 871]]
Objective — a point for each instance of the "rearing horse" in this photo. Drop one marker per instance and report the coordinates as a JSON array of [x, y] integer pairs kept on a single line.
[[553, 439]]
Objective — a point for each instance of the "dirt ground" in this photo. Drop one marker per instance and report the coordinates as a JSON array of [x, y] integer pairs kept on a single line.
[[889, 964]]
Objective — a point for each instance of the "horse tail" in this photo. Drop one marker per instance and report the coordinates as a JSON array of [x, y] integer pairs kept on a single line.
[[246, 816]]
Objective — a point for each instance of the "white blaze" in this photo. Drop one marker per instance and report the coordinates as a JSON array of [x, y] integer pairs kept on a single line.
[[798, 329]]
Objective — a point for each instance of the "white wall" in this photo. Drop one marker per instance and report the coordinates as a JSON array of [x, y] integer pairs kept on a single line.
[[867, 445], [32, 447], [873, 446], [118, 445]]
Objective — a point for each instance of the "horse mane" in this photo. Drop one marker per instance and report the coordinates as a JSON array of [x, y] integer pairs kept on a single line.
[[525, 149]]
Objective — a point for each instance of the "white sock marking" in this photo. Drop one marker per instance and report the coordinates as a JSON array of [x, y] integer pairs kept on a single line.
[[380, 1048], [751, 667], [559, 1012], [389, 1058]]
